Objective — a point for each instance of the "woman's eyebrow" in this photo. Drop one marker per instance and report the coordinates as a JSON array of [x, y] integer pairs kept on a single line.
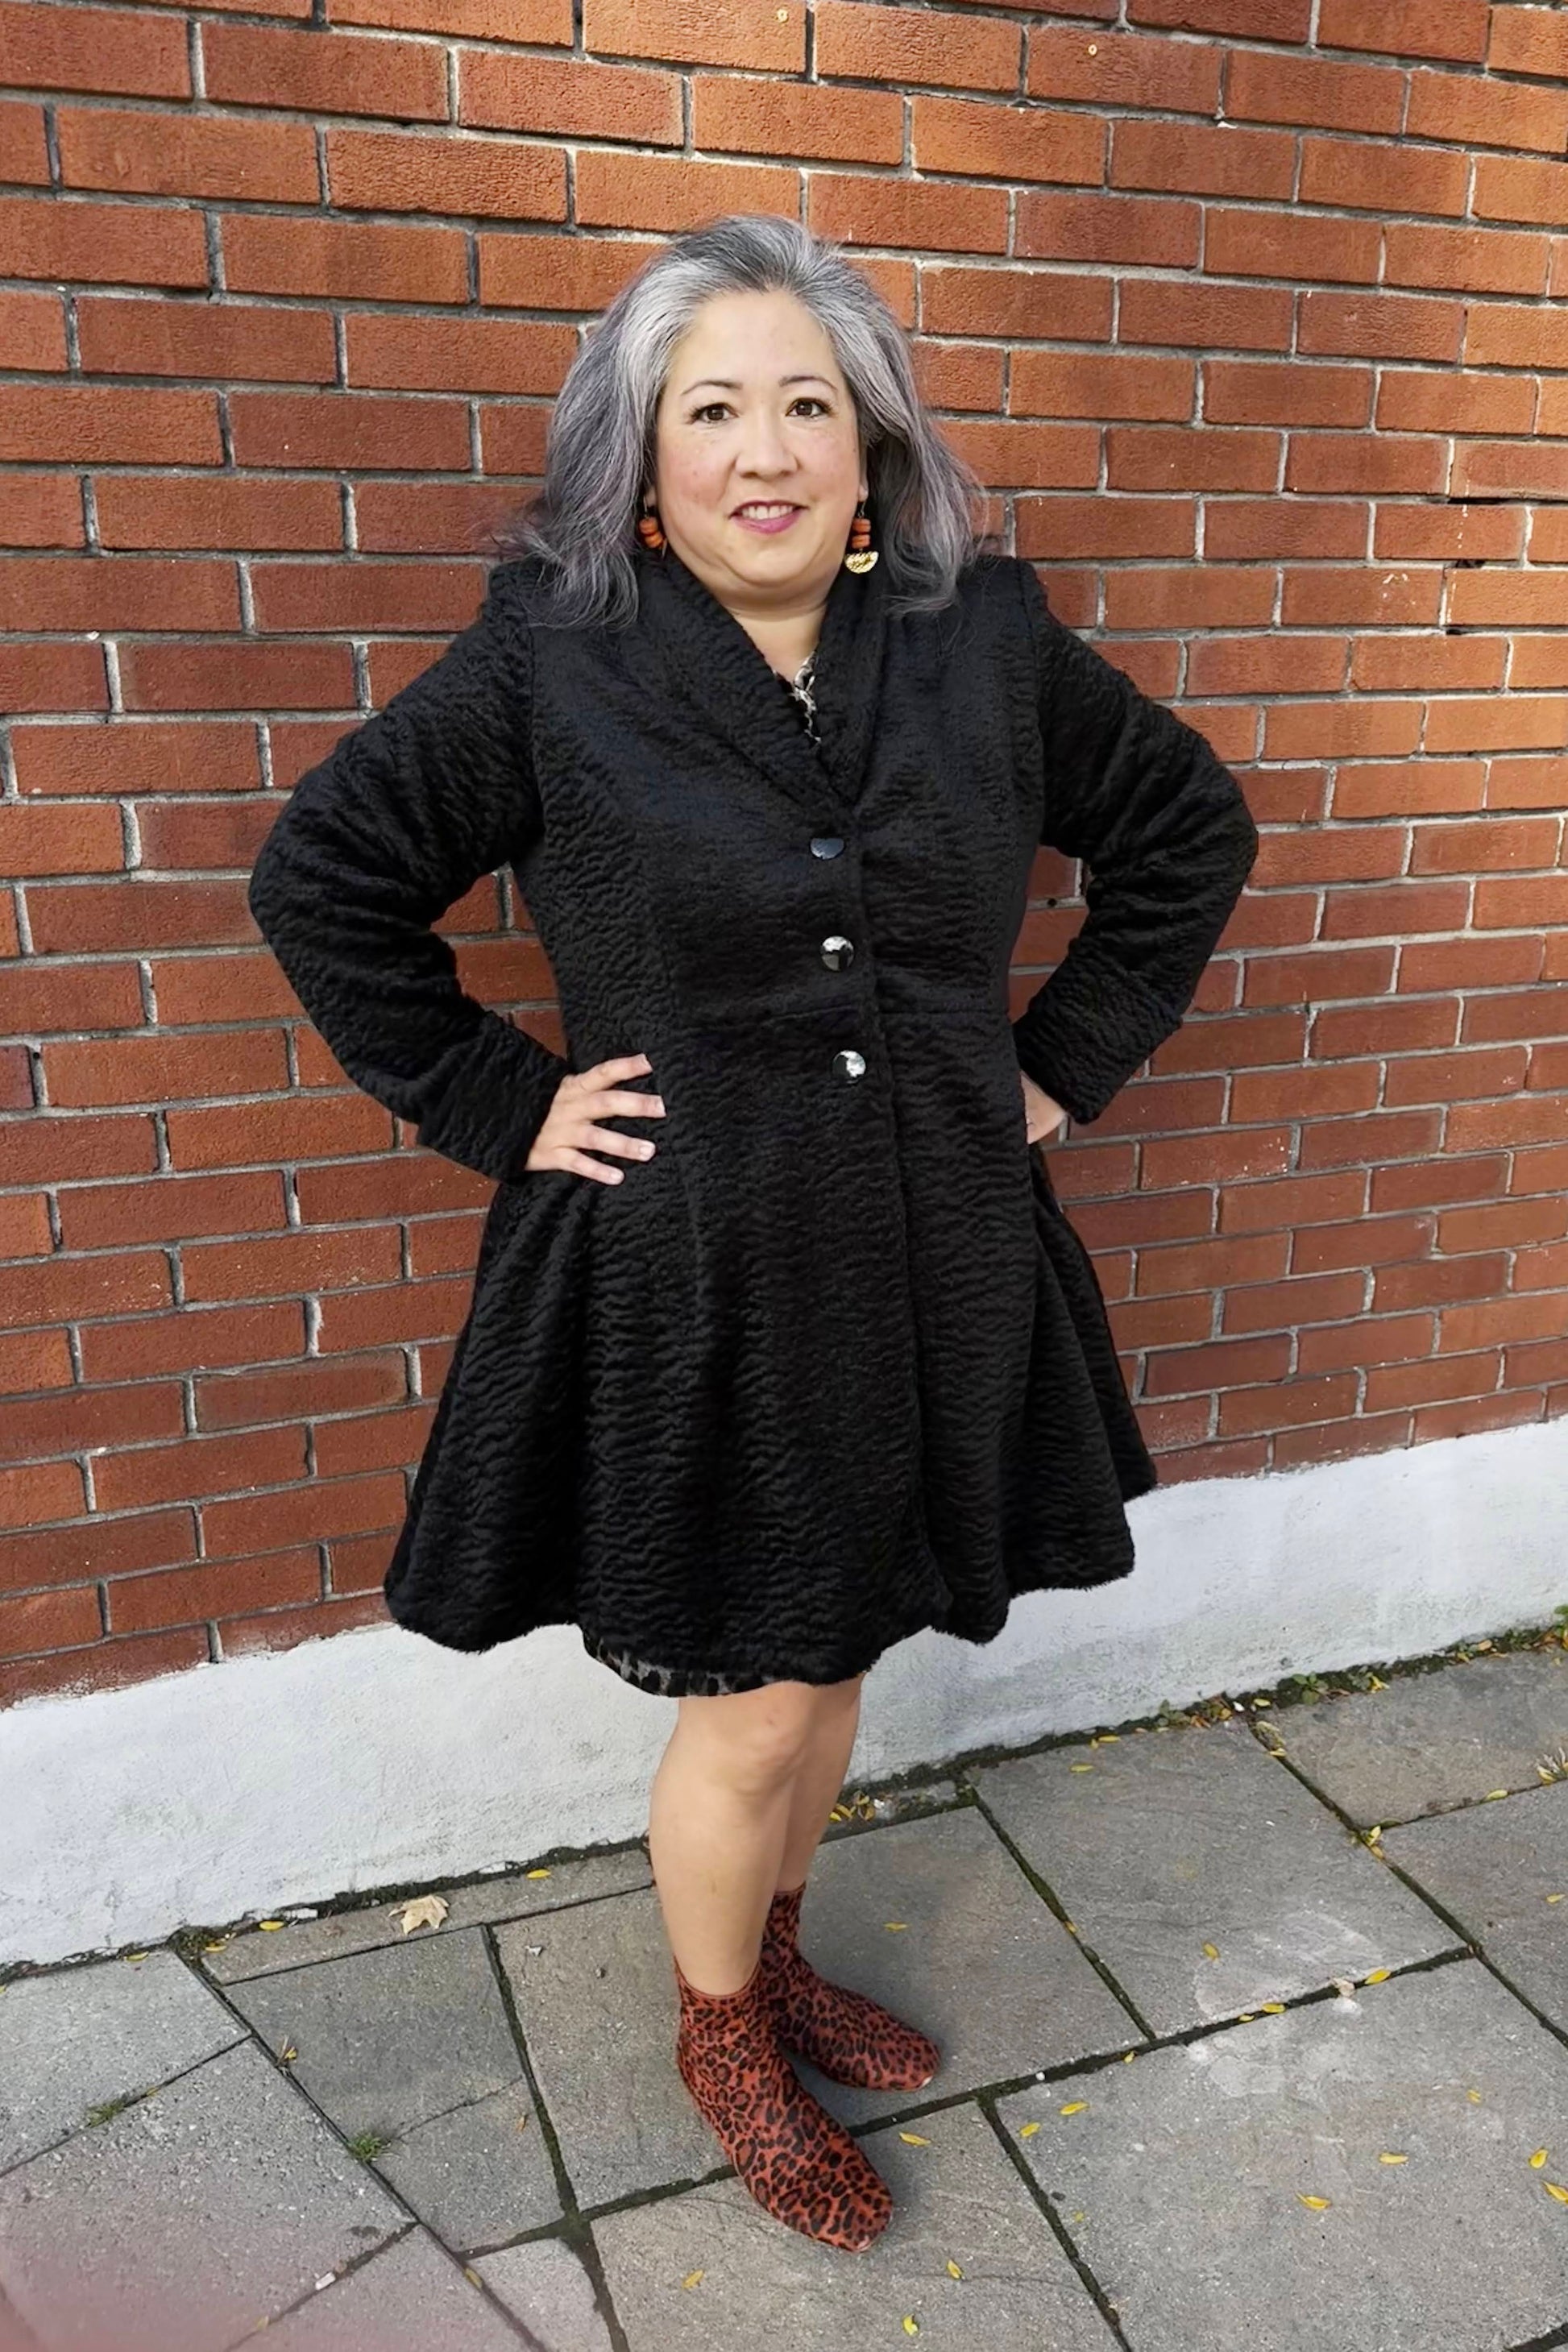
[[728, 383]]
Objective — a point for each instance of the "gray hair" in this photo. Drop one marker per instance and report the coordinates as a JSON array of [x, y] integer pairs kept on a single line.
[[599, 448]]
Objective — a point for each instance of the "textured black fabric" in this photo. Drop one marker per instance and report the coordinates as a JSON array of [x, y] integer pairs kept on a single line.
[[834, 1365]]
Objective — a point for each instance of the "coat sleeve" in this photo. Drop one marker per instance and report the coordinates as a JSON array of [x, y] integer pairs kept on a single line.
[[1166, 833], [403, 816]]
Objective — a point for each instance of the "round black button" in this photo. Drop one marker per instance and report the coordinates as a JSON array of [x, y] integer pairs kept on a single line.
[[837, 952], [848, 1064], [826, 845]]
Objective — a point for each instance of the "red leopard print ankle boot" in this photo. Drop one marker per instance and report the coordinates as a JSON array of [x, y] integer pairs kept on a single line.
[[797, 2160], [847, 2036]]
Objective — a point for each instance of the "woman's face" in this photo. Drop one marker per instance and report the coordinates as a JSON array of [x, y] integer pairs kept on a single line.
[[754, 411]]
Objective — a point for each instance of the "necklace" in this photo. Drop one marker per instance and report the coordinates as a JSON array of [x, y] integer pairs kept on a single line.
[[801, 685]]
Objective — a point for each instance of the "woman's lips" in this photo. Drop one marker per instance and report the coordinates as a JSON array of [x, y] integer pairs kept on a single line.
[[768, 523]]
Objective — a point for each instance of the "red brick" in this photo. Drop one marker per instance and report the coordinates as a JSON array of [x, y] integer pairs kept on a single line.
[[42, 510], [364, 596], [934, 214], [1529, 41], [1033, 457], [1207, 597], [735, 114], [148, 757], [1333, 731], [458, 354], [1381, 326], [32, 1623], [353, 260], [188, 155], [1478, 261], [1280, 663], [1081, 383], [1411, 400], [1386, 665], [1202, 158], [32, 332], [664, 192], [978, 137], [1478, 112], [1153, 232], [1513, 189], [858, 41], [378, 170], [71, 592], [1253, 20], [1406, 28], [52, 678], [1375, 464], [102, 244], [1369, 597], [692, 34], [1244, 317], [346, 432], [429, 518], [315, 73], [566, 99], [1509, 469], [94, 424], [1264, 392], [1514, 722], [23, 155], [227, 340], [527, 21], [1262, 88], [557, 273], [1507, 599], [511, 438], [1510, 334], [1362, 175], [237, 676], [1026, 303], [92, 48], [158, 511], [1104, 527], [1180, 458], [1490, 533], [1298, 245], [1123, 69]]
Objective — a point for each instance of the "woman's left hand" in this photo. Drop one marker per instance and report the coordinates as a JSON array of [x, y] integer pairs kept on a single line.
[[1042, 1113]]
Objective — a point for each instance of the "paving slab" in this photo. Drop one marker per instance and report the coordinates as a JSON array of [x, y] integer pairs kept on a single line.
[[510, 1894], [544, 2283], [187, 2219], [409, 2297], [1496, 1868], [1429, 1740], [1173, 1839], [1180, 2180], [387, 2039], [980, 1962], [959, 2200], [480, 2175], [71, 2041]]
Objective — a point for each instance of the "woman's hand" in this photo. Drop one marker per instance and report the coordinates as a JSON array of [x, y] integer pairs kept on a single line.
[[1042, 1113], [583, 1097]]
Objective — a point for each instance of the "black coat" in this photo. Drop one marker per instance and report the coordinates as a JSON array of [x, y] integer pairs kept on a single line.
[[834, 1365]]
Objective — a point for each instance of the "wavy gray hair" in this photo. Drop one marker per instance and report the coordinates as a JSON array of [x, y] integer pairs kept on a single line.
[[599, 448]]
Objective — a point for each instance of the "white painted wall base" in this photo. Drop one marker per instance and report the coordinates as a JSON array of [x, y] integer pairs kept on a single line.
[[377, 1759]]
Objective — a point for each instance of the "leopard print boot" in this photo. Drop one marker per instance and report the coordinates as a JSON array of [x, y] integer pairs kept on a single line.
[[797, 2160], [847, 2036]]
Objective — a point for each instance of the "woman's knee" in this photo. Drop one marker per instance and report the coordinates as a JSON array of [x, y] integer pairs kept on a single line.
[[762, 1737]]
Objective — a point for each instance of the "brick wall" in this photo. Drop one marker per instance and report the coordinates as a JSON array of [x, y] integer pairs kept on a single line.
[[1243, 309]]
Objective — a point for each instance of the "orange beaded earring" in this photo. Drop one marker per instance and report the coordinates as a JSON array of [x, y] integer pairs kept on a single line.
[[648, 531], [862, 554]]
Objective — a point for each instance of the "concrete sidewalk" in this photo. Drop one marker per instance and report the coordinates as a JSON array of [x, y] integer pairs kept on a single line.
[[1254, 2024]]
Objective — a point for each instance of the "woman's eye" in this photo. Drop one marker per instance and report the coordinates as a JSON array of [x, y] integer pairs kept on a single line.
[[709, 405]]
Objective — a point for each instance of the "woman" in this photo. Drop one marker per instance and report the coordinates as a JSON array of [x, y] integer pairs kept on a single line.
[[781, 1347]]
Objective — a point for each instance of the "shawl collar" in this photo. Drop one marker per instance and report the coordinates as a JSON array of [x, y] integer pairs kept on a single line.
[[713, 662]]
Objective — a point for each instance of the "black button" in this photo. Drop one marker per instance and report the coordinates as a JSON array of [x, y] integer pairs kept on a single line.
[[848, 1064], [826, 845], [837, 952]]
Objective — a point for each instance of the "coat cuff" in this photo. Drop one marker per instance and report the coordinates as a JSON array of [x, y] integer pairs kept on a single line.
[[1088, 1029]]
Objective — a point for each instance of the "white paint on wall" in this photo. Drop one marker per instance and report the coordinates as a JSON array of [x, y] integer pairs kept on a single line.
[[377, 1759]]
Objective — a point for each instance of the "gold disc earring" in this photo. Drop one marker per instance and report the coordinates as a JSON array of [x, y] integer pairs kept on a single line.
[[862, 554]]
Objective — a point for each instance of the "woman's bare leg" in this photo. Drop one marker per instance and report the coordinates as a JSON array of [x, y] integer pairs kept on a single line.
[[719, 1818], [821, 1777]]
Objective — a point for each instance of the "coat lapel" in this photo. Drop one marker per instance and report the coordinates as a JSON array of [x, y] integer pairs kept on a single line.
[[717, 666]]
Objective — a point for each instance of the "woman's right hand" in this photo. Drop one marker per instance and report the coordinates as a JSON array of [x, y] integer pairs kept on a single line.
[[583, 1097]]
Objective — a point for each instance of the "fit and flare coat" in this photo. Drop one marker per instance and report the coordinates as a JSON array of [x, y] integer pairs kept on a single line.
[[834, 1365]]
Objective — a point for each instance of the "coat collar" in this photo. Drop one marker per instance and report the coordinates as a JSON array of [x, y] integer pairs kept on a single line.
[[715, 664]]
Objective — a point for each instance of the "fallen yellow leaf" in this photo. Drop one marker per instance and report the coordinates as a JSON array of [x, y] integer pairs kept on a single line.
[[1474, 2097], [895, 1923], [424, 1911], [1212, 1951], [1375, 1683], [133, 1956], [1272, 2008], [1497, 1792], [1387, 2159], [1080, 1768], [953, 2269], [1128, 2056], [536, 1874], [1377, 1976], [1073, 2107], [1024, 2130], [911, 2326], [693, 2278], [1538, 2159], [269, 1923], [1554, 1898], [469, 2273], [288, 2054], [1318, 2204], [1553, 2189], [914, 2139]]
